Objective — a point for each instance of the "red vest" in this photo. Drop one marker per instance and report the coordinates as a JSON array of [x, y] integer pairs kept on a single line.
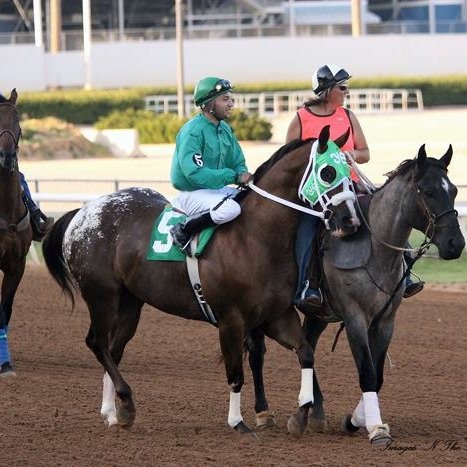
[[312, 124], [339, 121]]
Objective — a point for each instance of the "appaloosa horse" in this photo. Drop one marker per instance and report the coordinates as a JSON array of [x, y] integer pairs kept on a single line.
[[248, 273], [15, 227], [417, 195]]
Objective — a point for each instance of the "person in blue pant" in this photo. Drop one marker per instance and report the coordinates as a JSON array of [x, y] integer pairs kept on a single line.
[[40, 223], [330, 86]]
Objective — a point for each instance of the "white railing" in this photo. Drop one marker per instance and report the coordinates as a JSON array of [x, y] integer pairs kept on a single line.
[[83, 198], [273, 104], [73, 40]]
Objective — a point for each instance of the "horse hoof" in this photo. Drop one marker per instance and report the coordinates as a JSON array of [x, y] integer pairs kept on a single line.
[[379, 435], [110, 418], [125, 417], [347, 426], [265, 420], [7, 371], [318, 425], [246, 433], [296, 425]]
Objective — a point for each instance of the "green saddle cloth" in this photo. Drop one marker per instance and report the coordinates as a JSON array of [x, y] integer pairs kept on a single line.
[[161, 246]]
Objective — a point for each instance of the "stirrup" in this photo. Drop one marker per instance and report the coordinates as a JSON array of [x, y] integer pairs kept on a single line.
[[313, 301], [41, 224], [181, 240], [413, 288]]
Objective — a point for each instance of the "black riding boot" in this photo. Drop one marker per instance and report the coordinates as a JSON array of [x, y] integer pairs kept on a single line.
[[411, 288], [183, 232], [40, 223]]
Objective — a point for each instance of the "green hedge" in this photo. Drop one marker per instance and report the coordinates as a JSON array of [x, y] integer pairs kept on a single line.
[[152, 129], [250, 127], [163, 128], [86, 107]]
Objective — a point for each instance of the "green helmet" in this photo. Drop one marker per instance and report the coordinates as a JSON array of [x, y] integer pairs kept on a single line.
[[209, 88]]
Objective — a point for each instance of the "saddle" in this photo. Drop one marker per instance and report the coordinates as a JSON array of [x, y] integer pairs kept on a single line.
[[343, 253]]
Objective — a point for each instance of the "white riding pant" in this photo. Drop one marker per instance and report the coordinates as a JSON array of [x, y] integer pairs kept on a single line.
[[221, 208]]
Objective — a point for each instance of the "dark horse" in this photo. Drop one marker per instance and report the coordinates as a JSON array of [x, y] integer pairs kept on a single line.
[[15, 227], [248, 273], [417, 195]]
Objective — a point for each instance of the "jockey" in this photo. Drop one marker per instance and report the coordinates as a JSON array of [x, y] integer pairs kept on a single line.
[[207, 158], [40, 223]]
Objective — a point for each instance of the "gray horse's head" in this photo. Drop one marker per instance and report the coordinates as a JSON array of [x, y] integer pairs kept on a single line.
[[436, 195]]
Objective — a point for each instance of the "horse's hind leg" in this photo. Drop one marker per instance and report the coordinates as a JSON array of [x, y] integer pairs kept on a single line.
[[287, 331], [256, 350], [124, 330], [313, 329], [104, 311]]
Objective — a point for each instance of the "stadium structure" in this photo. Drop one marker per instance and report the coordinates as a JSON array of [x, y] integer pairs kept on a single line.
[[152, 20]]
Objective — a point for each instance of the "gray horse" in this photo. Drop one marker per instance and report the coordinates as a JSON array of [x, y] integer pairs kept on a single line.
[[419, 195]]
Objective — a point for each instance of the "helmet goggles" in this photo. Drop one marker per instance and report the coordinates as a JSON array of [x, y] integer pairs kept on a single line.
[[221, 87]]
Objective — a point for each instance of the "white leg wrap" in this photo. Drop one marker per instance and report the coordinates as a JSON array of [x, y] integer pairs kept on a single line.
[[108, 409], [306, 389], [358, 416], [235, 414], [372, 414]]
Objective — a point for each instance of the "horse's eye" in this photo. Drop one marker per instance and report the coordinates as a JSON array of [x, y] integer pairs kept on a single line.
[[327, 174], [429, 193]]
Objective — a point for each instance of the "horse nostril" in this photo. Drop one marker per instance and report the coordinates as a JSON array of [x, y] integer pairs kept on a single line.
[[347, 221]]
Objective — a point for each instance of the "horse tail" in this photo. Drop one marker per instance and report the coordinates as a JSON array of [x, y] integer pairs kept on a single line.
[[53, 255]]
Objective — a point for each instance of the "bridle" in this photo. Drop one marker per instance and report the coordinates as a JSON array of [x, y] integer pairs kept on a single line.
[[434, 218], [12, 135], [326, 213]]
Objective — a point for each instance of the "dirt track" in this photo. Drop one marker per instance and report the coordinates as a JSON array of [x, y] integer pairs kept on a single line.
[[50, 412]]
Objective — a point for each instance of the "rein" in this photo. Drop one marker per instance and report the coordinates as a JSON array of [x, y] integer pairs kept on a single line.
[[284, 202]]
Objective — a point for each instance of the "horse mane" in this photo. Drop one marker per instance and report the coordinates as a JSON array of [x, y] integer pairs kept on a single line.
[[268, 164], [407, 166]]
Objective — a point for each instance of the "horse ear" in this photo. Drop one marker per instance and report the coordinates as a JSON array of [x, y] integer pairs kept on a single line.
[[343, 138], [13, 96], [323, 139], [421, 159], [446, 159]]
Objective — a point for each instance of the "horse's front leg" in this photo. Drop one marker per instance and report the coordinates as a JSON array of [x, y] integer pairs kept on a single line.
[[313, 328], [231, 337], [367, 413], [256, 350], [10, 284], [288, 332]]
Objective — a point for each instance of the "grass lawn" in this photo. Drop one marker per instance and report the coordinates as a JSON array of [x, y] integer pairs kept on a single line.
[[432, 269]]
